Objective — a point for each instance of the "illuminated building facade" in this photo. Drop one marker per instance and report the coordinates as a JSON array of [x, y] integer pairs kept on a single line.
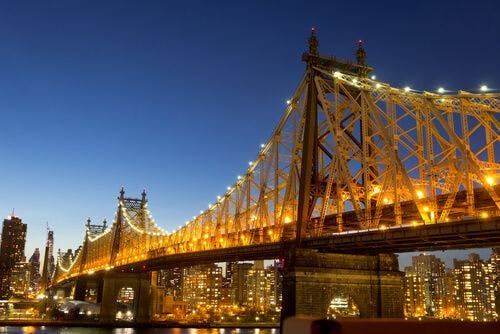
[[261, 288], [495, 267], [432, 272], [239, 278], [414, 304], [201, 286], [19, 280], [48, 260], [475, 289], [171, 281], [35, 271], [11, 250]]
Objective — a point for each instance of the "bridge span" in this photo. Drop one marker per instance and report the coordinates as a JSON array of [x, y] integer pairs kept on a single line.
[[355, 170]]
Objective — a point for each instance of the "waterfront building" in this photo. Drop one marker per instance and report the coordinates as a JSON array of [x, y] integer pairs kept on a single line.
[[11, 250], [168, 308], [475, 289]]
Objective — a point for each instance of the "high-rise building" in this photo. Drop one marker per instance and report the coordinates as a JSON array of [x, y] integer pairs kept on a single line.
[[495, 267], [475, 290], [11, 250], [171, 281], [35, 270], [449, 305], [239, 277], [413, 285], [48, 260], [201, 286], [261, 288], [19, 280], [432, 272]]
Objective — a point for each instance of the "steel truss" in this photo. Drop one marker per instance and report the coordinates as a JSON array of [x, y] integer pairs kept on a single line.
[[350, 153]]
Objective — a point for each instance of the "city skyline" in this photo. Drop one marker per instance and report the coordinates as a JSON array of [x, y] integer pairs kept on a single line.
[[71, 143]]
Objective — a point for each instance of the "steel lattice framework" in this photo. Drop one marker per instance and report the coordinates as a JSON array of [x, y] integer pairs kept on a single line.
[[350, 153]]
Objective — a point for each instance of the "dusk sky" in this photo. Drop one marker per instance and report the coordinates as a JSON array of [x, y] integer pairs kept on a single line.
[[175, 97]]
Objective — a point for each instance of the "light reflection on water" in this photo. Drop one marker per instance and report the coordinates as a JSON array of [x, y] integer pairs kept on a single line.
[[98, 330]]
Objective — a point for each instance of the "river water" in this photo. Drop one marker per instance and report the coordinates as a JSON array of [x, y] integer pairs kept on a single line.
[[99, 330]]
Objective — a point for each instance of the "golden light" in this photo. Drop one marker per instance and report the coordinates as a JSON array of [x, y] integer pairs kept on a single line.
[[383, 227], [425, 208], [386, 200], [420, 194], [484, 214], [288, 220], [376, 190], [490, 180]]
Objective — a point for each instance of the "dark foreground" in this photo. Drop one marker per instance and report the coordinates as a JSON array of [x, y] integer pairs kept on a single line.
[[297, 326]]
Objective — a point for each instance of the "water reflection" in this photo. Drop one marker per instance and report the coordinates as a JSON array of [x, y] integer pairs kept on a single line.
[[98, 330]]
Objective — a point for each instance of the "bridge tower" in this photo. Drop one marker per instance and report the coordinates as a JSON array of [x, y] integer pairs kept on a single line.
[[113, 281], [312, 279]]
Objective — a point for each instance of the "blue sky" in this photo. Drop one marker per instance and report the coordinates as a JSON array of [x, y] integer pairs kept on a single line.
[[176, 97]]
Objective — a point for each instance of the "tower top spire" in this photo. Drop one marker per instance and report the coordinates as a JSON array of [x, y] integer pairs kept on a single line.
[[360, 54], [143, 196], [122, 193], [313, 42]]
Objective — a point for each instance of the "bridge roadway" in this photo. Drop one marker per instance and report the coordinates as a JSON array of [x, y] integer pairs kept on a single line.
[[477, 233], [395, 239]]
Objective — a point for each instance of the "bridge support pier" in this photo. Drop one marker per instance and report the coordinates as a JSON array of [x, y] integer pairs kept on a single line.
[[80, 288], [312, 280], [114, 282]]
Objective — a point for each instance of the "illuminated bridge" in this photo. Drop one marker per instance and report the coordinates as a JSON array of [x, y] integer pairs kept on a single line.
[[354, 170]]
